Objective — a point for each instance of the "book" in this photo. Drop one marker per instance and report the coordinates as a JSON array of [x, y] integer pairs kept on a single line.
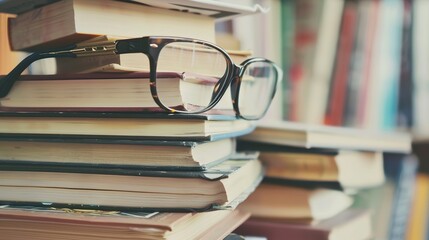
[[320, 165], [381, 107], [341, 70], [64, 23], [401, 169], [390, 204], [418, 218], [317, 26], [318, 136], [213, 8], [219, 9], [113, 153], [223, 186], [136, 61], [177, 127], [350, 224], [369, 46], [420, 72], [295, 204], [123, 92], [406, 90], [64, 223], [359, 59]]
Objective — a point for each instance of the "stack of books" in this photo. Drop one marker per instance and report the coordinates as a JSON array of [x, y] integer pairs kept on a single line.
[[313, 176], [81, 159]]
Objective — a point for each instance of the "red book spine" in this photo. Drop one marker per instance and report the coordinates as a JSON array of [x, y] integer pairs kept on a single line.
[[334, 115], [369, 48]]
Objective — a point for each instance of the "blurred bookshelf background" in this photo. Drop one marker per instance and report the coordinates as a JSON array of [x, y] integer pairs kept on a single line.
[[360, 64], [355, 63]]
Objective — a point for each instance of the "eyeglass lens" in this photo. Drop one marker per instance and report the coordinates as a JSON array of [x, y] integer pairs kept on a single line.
[[201, 67], [257, 86]]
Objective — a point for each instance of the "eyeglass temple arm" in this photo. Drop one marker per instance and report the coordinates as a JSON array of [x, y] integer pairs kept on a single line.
[[7, 81]]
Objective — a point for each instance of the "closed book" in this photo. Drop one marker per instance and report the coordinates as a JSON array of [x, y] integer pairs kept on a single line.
[[401, 171], [327, 137], [342, 66], [320, 165], [98, 152], [316, 27], [215, 9], [120, 92], [223, 186], [44, 223], [290, 203], [359, 60], [150, 126], [67, 22], [350, 224]]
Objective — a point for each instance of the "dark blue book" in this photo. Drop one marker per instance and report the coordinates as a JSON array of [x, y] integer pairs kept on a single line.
[[401, 170]]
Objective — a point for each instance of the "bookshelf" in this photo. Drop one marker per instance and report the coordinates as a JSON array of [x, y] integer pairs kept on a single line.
[[374, 70]]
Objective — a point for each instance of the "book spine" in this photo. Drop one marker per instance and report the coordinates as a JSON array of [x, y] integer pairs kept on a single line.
[[403, 170], [334, 115], [405, 99], [355, 77]]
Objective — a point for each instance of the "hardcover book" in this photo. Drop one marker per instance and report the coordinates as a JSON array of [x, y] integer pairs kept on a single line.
[[120, 92], [353, 224], [46, 223], [318, 136], [287, 203], [63, 23], [150, 126], [223, 186], [147, 154], [344, 167]]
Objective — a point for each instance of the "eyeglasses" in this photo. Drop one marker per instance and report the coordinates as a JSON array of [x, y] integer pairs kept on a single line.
[[207, 71]]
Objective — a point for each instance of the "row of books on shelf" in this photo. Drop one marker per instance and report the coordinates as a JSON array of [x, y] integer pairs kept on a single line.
[[92, 156], [348, 63]]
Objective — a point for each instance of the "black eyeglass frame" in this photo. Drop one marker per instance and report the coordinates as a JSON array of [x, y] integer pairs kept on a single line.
[[151, 46]]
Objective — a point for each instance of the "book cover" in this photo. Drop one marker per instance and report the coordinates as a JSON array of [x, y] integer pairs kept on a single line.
[[55, 223], [222, 187], [350, 224], [107, 92], [113, 153], [318, 167], [402, 171], [358, 60], [215, 9], [153, 126], [43, 28], [330, 137], [337, 97]]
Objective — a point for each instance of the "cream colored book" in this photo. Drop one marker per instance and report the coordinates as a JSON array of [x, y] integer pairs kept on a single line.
[[68, 22], [319, 136], [223, 186], [17, 223], [295, 204]]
